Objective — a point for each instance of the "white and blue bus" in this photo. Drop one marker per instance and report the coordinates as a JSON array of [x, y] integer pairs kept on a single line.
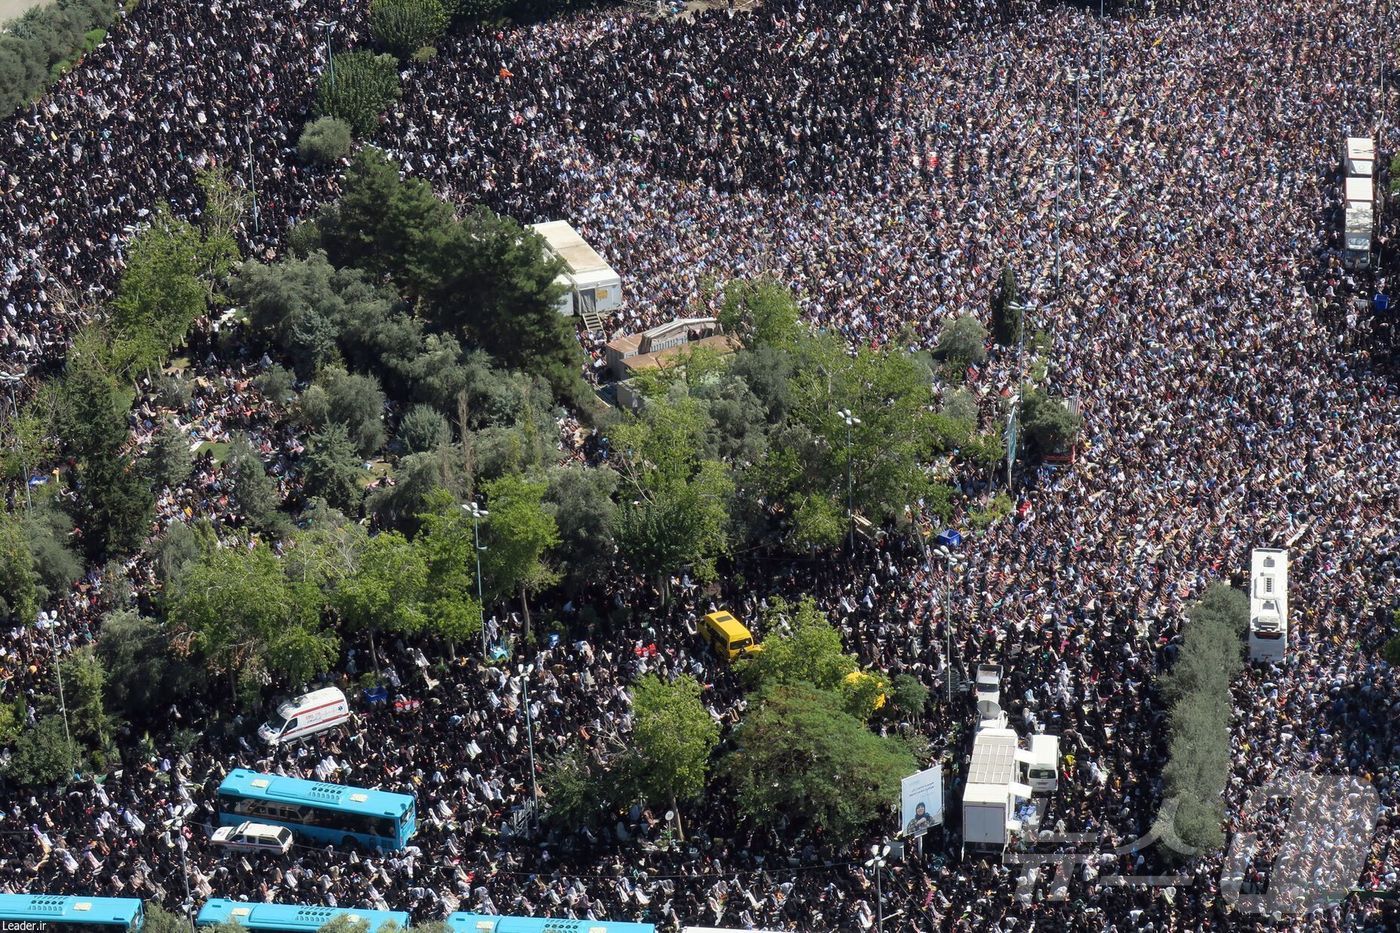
[[333, 814], [59, 913], [292, 918], [483, 923]]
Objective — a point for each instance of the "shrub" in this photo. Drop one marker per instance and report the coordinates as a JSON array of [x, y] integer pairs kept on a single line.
[[357, 87], [962, 342], [324, 141], [423, 429], [44, 42], [404, 26]]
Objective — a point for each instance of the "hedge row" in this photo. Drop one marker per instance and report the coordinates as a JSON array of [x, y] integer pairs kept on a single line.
[[1198, 687], [43, 43]]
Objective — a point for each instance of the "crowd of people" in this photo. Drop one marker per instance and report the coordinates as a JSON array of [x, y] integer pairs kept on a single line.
[[1165, 187]]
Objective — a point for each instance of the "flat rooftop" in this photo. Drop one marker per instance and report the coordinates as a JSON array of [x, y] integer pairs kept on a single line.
[[565, 242]]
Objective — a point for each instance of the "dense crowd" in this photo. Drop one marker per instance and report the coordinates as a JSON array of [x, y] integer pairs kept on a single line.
[[1165, 187]]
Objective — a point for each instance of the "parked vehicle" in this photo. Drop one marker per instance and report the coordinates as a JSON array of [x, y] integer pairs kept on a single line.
[[253, 837], [729, 637], [305, 716]]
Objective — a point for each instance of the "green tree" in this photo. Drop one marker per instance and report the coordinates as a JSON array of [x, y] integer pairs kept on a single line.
[[47, 531], [962, 342], [960, 404], [248, 621], [1198, 686], [672, 738], [43, 755], [19, 580], [1048, 423], [584, 511], [521, 531], [357, 88], [908, 696], [1006, 310], [332, 469], [802, 646], [404, 26], [418, 478], [446, 542], [160, 920], [577, 790], [170, 458], [325, 140], [423, 429], [494, 286], [879, 464], [84, 685], [294, 307], [357, 402], [676, 502], [161, 292], [387, 225], [115, 504], [800, 755], [761, 312], [145, 676], [251, 490], [387, 589], [327, 549], [91, 401], [26, 444]]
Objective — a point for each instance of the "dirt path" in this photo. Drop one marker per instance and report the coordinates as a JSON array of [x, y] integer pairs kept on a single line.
[[9, 9]]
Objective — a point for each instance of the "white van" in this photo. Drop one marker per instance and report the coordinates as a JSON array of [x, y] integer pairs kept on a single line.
[[305, 716], [253, 837], [1043, 770]]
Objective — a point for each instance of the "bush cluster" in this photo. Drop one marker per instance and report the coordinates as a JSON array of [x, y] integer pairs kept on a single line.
[[40, 45], [1198, 687]]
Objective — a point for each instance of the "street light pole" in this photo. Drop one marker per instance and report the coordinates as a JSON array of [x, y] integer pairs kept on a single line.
[[525, 671], [252, 175], [62, 702], [1100, 53], [876, 862], [950, 563], [851, 421], [478, 513], [13, 380], [329, 26]]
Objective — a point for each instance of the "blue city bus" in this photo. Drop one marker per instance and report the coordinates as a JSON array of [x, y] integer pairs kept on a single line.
[[291, 918], [327, 813], [59, 913], [481, 923]]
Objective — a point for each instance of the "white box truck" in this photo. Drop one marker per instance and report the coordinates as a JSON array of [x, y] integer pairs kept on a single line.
[[1357, 223], [1359, 157], [591, 287], [992, 791]]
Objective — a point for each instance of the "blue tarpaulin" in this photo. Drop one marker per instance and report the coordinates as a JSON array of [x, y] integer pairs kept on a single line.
[[949, 538]]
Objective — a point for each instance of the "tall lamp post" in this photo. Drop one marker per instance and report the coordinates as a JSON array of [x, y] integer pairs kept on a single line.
[[525, 670], [329, 26], [951, 562], [478, 513], [851, 421], [876, 863], [13, 381]]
